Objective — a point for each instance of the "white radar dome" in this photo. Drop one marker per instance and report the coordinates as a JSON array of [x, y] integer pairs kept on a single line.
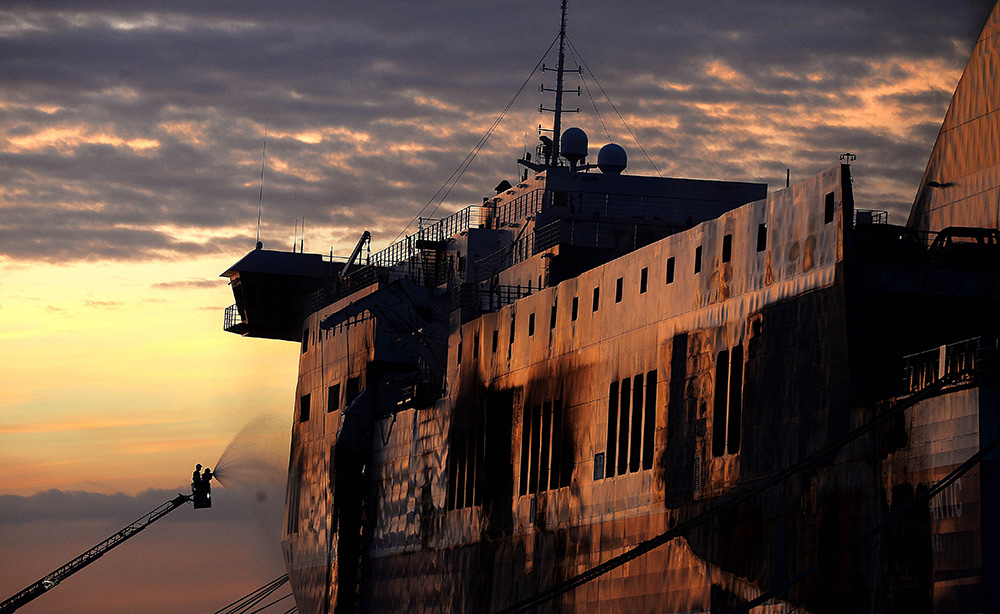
[[574, 145], [612, 159]]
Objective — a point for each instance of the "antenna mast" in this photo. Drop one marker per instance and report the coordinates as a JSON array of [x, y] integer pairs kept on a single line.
[[260, 201], [559, 91], [557, 123]]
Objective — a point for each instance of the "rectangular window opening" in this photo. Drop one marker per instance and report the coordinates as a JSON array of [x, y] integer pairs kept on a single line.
[[536, 431], [352, 390], [531, 325], [643, 279], [544, 462], [649, 421], [635, 436], [727, 248], [333, 398], [525, 449], [576, 308], [552, 317], [735, 400], [719, 413], [697, 259], [304, 408], [623, 431], [618, 289], [761, 237], [496, 340], [556, 470], [305, 340], [597, 299], [459, 353], [670, 270], [612, 446], [829, 209]]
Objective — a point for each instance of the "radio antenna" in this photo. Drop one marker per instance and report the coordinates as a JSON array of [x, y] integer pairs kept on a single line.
[[260, 199]]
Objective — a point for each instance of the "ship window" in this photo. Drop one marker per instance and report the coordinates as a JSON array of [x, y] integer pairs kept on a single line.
[[649, 421], [539, 282], [624, 400], [735, 400], [719, 415], [829, 209], [545, 441], [697, 259], [761, 237], [510, 339], [333, 398], [670, 270], [576, 308], [536, 433], [496, 340], [304, 408], [475, 346], [552, 318], [618, 289], [546, 461], [643, 279], [352, 390], [294, 492], [305, 340], [598, 466], [635, 437], [727, 248], [459, 353], [466, 460], [525, 448], [597, 298], [612, 428], [531, 325]]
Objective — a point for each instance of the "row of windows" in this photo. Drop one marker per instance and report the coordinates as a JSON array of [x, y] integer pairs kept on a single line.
[[333, 398], [466, 460], [546, 457], [631, 425], [727, 250]]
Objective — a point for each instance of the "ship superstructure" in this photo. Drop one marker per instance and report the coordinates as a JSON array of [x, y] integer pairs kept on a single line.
[[533, 386]]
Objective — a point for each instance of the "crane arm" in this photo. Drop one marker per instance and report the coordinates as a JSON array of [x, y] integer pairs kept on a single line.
[[34, 590]]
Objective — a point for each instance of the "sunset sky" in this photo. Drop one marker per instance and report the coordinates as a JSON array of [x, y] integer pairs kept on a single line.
[[130, 155]]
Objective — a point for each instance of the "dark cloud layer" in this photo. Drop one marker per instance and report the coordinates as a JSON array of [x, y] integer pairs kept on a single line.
[[132, 130]]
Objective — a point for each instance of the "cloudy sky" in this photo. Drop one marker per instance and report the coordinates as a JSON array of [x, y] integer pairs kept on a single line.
[[130, 155]]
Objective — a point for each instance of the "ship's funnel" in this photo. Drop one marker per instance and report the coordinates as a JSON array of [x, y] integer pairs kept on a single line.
[[612, 159]]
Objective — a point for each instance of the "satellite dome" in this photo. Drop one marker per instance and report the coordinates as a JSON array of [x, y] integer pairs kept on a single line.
[[574, 145], [612, 159]]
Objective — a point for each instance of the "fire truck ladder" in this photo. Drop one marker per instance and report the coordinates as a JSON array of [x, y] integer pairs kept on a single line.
[[88, 557]]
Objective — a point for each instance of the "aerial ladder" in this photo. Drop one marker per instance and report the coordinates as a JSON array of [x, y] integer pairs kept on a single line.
[[201, 496]]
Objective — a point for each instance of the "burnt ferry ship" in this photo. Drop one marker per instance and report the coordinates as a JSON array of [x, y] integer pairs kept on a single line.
[[603, 392]]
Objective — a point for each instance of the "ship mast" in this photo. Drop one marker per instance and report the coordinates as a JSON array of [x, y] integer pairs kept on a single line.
[[552, 159], [557, 120]]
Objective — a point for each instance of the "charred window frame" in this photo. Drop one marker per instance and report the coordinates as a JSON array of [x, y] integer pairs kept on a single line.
[[304, 402], [466, 460], [546, 462], [333, 398], [352, 390], [631, 425], [727, 418]]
